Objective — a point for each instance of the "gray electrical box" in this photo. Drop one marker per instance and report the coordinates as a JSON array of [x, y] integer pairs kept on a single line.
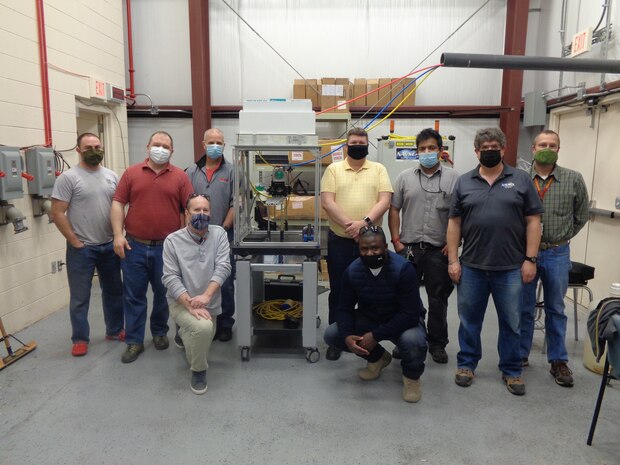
[[10, 173], [40, 163], [534, 109]]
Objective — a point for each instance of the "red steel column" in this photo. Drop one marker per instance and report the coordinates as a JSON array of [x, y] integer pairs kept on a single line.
[[200, 70], [512, 80]]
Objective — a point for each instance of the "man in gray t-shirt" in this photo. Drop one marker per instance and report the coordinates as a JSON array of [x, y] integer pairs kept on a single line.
[[81, 202], [422, 196]]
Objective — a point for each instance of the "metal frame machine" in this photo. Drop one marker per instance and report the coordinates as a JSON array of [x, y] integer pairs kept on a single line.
[[263, 241]]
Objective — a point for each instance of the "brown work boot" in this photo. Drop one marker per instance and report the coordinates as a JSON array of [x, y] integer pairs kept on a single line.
[[464, 377], [412, 389], [514, 384], [373, 369], [562, 374]]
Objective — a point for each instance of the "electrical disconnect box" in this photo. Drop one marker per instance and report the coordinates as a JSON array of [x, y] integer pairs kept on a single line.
[[10, 173], [41, 164]]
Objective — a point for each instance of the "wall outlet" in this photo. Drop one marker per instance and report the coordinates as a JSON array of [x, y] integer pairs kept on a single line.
[[617, 203], [54, 267]]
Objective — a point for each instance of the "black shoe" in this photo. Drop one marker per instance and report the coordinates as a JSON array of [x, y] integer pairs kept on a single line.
[[224, 335], [198, 384], [396, 353], [132, 353], [178, 341], [333, 353], [439, 354], [525, 362], [161, 342]]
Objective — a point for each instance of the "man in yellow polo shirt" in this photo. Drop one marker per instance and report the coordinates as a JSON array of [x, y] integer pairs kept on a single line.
[[354, 193]]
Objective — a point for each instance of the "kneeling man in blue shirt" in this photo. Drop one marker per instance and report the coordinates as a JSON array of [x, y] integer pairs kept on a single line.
[[384, 286]]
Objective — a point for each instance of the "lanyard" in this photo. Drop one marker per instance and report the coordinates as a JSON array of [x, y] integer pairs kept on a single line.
[[547, 185]]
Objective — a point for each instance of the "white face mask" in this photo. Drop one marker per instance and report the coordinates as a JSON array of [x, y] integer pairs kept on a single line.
[[159, 155]]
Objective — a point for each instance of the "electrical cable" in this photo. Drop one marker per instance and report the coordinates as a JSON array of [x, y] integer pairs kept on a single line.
[[600, 20], [279, 309]]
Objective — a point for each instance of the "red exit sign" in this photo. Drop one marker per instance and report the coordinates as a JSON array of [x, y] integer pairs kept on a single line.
[[582, 42]]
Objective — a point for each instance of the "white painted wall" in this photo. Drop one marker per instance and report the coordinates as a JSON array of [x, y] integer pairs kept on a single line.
[[85, 39]]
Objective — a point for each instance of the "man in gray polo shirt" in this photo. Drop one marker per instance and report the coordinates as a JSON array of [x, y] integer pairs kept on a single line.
[[196, 264], [213, 176], [496, 211], [81, 202], [423, 194]]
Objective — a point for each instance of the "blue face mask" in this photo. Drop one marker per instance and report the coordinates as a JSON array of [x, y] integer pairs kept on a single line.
[[200, 221], [428, 160], [214, 151]]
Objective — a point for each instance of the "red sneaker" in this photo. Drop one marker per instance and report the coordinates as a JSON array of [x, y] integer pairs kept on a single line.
[[79, 349], [119, 337]]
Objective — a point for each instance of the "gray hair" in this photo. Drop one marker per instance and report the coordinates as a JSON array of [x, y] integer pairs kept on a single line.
[[489, 135]]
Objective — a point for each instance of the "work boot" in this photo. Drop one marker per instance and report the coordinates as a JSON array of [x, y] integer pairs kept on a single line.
[[373, 369], [333, 353], [132, 353], [514, 384], [412, 389], [439, 354], [161, 342], [562, 374], [464, 377]]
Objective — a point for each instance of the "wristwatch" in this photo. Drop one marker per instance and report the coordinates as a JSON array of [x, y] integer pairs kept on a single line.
[[531, 259], [367, 220]]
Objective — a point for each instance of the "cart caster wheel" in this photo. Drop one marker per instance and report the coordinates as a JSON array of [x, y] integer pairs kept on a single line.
[[245, 354], [318, 322], [313, 355]]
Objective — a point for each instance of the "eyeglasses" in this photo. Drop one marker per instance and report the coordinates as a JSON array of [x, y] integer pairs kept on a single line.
[[193, 196], [372, 228]]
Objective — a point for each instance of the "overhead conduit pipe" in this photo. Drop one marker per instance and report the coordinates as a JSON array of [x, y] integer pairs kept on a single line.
[[132, 88], [45, 88]]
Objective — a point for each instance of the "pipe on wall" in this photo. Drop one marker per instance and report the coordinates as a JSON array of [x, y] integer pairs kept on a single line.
[[474, 60], [45, 87], [132, 88]]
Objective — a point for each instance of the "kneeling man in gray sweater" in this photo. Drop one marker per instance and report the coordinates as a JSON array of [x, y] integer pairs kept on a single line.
[[196, 264]]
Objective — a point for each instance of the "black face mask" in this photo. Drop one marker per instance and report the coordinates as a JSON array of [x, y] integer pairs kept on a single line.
[[490, 158], [373, 261], [357, 152]]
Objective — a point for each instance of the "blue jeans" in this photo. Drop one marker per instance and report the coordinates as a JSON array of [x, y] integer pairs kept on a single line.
[[552, 267], [411, 343], [81, 265], [472, 298], [225, 319], [143, 264], [341, 252]]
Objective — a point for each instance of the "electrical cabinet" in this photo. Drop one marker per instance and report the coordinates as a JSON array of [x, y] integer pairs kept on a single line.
[[40, 162], [10, 173]]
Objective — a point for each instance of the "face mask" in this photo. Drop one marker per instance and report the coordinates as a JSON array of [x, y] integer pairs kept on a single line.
[[159, 155], [214, 151], [357, 152], [200, 221], [490, 158], [373, 261], [92, 157], [428, 160], [546, 157]]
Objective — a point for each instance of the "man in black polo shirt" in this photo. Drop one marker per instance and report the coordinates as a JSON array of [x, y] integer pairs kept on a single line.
[[496, 212]]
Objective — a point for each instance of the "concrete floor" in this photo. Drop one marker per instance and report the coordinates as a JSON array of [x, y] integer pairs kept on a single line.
[[279, 409]]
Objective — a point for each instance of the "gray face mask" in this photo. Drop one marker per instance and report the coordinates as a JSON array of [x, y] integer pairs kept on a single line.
[[159, 155]]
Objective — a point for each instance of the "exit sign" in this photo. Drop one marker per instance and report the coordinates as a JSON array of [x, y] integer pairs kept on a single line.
[[582, 42], [97, 89]]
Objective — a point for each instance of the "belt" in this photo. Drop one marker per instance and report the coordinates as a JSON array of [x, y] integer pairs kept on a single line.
[[551, 245], [424, 246], [144, 241]]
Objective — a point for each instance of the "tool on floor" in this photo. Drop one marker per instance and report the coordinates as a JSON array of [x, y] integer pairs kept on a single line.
[[17, 354]]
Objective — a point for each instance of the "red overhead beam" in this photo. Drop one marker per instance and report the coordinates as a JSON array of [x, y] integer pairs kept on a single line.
[[200, 70], [512, 80]]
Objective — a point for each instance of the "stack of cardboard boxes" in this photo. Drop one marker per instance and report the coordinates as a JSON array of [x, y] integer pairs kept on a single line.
[[328, 92]]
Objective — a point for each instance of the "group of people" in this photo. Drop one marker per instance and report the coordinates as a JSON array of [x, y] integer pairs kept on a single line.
[[157, 224], [495, 212], [172, 228]]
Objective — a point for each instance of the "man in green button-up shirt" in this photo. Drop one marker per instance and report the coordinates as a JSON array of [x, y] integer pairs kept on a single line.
[[565, 198]]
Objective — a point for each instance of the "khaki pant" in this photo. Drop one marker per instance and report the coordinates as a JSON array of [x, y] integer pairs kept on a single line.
[[197, 336]]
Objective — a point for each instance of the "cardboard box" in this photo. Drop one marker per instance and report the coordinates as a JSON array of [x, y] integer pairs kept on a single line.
[[324, 273], [335, 91], [371, 99], [395, 89], [338, 152], [410, 101], [385, 94], [300, 156], [312, 92], [300, 207], [299, 89], [359, 88]]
